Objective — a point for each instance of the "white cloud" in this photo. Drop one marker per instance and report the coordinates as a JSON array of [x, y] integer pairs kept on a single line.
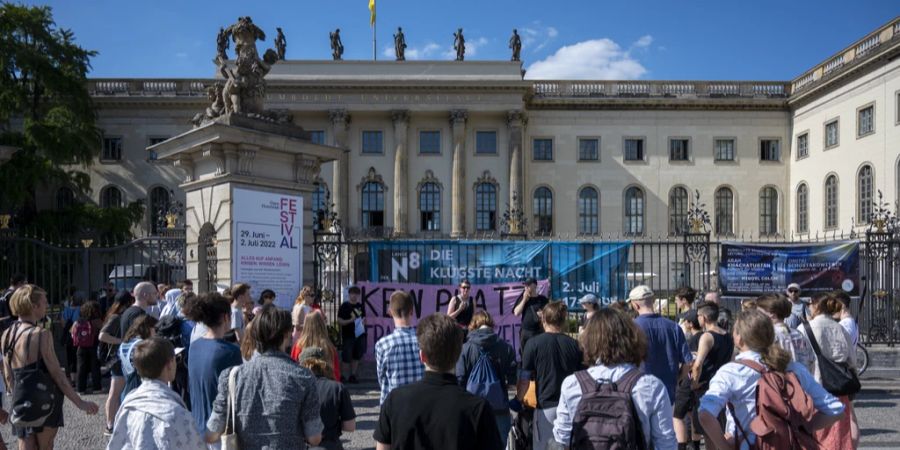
[[643, 42], [537, 36], [595, 59], [429, 50], [181, 55]]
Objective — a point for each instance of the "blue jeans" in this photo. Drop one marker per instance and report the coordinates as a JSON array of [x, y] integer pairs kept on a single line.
[[504, 424]]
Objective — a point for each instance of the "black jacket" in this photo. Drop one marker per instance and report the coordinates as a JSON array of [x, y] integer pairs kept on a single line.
[[502, 356]]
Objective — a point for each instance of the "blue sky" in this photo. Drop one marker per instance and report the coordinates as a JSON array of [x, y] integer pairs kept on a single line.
[[660, 39]]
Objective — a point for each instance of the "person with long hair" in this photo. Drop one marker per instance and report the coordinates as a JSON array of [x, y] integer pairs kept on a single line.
[[30, 347], [275, 401], [89, 324], [266, 297], [846, 319], [837, 346], [109, 349], [614, 348], [778, 308], [335, 404], [144, 327], [315, 334], [736, 384], [210, 355], [247, 345], [302, 307]]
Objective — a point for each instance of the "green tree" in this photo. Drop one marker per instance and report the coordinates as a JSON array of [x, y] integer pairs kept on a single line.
[[46, 113]]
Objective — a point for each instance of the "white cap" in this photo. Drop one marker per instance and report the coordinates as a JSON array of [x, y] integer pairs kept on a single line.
[[793, 286], [640, 293], [589, 298]]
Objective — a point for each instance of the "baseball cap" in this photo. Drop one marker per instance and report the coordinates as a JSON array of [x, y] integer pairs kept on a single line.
[[640, 293], [793, 286], [312, 352], [589, 298]]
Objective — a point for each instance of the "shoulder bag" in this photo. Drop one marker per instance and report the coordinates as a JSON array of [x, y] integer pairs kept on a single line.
[[229, 437]]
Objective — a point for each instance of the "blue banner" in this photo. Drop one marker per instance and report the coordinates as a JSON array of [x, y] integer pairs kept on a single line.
[[573, 268], [755, 269]]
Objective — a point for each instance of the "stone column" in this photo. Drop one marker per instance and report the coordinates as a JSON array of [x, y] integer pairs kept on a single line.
[[340, 191], [516, 121], [458, 181], [401, 172]]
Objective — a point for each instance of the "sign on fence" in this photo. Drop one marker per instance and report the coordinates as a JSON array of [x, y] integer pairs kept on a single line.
[[268, 247], [572, 268], [754, 269], [498, 299]]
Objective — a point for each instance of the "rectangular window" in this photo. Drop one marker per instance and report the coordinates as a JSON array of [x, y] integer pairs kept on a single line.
[[832, 134], [317, 137], [679, 149], [153, 141], [543, 149], [865, 121], [769, 150], [485, 142], [430, 142], [589, 149], [634, 149], [372, 142], [803, 146], [112, 149], [724, 149]]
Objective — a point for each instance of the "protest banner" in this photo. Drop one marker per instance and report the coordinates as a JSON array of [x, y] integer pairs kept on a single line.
[[498, 299], [754, 269]]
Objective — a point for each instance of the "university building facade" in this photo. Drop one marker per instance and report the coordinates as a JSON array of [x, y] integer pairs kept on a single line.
[[442, 148]]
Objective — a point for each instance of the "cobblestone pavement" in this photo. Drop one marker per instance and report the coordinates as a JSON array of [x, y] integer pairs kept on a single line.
[[877, 407]]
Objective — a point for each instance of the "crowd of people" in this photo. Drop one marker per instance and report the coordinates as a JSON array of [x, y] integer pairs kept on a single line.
[[215, 370]]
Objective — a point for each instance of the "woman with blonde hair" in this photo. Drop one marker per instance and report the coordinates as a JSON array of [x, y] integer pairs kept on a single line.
[[302, 307], [27, 347], [315, 334]]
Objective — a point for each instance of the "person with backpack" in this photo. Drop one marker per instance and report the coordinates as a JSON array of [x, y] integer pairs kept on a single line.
[[685, 398], [84, 332], [142, 328], [548, 359], [153, 417], [640, 413], [761, 381], [486, 366], [29, 361], [397, 355], [834, 348]]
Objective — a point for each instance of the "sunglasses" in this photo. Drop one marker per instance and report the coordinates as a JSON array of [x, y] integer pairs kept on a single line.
[[792, 290], [464, 287]]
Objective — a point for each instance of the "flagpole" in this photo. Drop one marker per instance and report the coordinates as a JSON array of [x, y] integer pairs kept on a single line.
[[374, 51]]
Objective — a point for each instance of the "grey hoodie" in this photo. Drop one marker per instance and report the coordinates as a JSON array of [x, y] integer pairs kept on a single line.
[[153, 417]]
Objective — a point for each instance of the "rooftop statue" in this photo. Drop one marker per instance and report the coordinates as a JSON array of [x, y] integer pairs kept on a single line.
[[459, 44], [280, 44], [400, 45], [515, 43], [337, 47]]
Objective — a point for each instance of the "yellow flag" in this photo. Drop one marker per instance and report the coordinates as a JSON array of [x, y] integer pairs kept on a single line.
[[372, 11]]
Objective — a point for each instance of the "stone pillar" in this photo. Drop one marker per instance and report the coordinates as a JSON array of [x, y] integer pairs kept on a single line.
[[458, 181], [401, 172], [516, 121], [340, 191]]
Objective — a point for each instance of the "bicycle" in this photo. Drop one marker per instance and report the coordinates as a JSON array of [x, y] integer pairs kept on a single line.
[[862, 358]]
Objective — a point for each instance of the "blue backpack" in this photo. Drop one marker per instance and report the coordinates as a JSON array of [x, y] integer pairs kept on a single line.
[[484, 382]]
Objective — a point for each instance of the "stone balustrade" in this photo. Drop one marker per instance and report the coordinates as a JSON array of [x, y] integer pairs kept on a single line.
[[689, 89], [853, 55], [104, 87]]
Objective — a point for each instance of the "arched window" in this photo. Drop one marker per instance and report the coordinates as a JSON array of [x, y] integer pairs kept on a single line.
[[430, 206], [768, 211], [865, 194], [588, 211], [831, 202], [65, 198], [634, 211], [319, 198], [724, 212], [678, 206], [543, 210], [372, 204], [111, 197], [485, 207], [159, 206], [802, 208]]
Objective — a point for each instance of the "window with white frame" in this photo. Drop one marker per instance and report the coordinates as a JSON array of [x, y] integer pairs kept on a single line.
[[678, 207], [372, 141], [542, 149], [679, 149], [802, 145], [769, 150], [588, 149], [865, 194], [588, 211], [831, 202], [865, 120], [832, 134], [542, 206], [634, 211], [724, 149], [430, 207], [372, 205], [724, 212], [634, 149], [485, 207], [768, 211], [803, 208]]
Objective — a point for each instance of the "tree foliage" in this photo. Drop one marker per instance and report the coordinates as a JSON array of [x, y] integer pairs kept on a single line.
[[46, 112]]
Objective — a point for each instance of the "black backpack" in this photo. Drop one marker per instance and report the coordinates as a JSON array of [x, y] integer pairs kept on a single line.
[[169, 328], [34, 394], [606, 418]]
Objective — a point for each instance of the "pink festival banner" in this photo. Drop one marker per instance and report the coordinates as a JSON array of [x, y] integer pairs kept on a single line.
[[498, 299]]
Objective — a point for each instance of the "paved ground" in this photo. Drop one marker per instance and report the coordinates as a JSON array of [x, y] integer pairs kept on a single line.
[[878, 410]]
